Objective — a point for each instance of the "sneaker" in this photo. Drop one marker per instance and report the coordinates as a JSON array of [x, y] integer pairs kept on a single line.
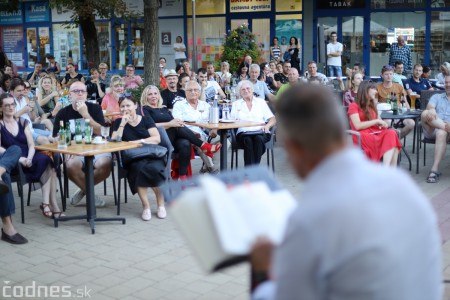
[[99, 202], [146, 214], [162, 214], [77, 197]]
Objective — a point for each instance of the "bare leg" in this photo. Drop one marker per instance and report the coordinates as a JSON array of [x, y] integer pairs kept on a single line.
[[8, 227], [409, 125], [395, 157], [143, 195], [159, 196], [388, 157], [76, 174], [439, 148]]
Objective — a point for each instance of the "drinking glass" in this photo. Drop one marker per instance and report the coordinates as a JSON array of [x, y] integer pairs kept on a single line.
[[105, 132], [201, 110], [413, 97], [227, 91]]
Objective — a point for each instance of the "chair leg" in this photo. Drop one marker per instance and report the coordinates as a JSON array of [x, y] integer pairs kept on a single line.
[[125, 189], [273, 161], [118, 196], [232, 159], [104, 187], [424, 153], [63, 199], [114, 185], [22, 207], [29, 194]]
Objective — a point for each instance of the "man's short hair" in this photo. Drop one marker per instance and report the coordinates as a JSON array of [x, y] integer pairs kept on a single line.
[[310, 115], [201, 70], [15, 82], [426, 69], [417, 65], [286, 62], [361, 66], [398, 63], [311, 62], [255, 66], [163, 58]]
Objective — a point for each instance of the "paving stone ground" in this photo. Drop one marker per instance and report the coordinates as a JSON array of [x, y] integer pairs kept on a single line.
[[149, 260]]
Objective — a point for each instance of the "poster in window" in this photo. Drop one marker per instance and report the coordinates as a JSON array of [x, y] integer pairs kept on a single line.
[[13, 44]]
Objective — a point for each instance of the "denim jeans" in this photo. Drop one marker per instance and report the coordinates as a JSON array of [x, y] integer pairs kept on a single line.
[[334, 71], [8, 160]]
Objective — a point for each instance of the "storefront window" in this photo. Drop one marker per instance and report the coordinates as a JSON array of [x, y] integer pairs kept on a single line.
[[206, 7], [137, 46], [103, 34], [121, 46], [11, 38], [439, 40], [288, 26], [384, 30], [66, 43], [289, 5], [209, 38]]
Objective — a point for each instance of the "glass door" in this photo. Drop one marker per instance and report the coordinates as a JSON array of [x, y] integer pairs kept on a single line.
[[122, 46], [352, 40], [38, 40]]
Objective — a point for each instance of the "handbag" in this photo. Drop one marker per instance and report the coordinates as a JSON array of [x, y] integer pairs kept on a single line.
[[145, 151], [286, 56]]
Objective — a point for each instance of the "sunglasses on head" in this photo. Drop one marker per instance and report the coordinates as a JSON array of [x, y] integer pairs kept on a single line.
[[389, 67], [126, 95]]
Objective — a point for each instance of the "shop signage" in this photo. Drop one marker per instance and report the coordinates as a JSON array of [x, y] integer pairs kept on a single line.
[[382, 4], [37, 12], [13, 17], [341, 4], [166, 38], [237, 6], [12, 41]]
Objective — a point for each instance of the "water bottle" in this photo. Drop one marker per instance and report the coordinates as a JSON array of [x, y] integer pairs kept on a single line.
[[68, 134], [87, 132], [214, 111], [62, 142], [78, 133], [226, 112]]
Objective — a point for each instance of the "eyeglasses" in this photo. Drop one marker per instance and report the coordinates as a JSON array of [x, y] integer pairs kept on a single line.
[[192, 90], [126, 95], [78, 91], [119, 85], [9, 105]]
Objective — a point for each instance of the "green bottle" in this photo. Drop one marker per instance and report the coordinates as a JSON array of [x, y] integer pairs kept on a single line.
[[87, 132], [68, 134], [78, 133]]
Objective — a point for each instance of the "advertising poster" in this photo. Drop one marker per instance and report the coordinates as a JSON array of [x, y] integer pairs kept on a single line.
[[12, 41], [285, 29]]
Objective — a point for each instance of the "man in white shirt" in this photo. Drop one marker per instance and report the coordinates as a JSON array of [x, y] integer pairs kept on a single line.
[[209, 88], [192, 109], [334, 53], [360, 231]]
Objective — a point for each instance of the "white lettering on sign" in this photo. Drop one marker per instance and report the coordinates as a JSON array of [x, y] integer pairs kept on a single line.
[[340, 4], [38, 8]]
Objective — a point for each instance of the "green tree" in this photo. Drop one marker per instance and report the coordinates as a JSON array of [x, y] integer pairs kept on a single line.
[[239, 43]]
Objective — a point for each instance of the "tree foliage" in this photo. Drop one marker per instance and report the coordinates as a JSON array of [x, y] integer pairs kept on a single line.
[[239, 43]]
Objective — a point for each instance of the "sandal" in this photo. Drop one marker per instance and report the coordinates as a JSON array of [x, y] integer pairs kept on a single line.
[[47, 213], [57, 214], [433, 177], [210, 149]]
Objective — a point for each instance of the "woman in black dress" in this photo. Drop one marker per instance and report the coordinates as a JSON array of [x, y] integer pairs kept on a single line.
[[294, 51], [146, 172], [180, 136]]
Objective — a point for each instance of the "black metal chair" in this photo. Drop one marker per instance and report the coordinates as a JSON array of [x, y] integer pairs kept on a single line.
[[235, 146], [122, 172]]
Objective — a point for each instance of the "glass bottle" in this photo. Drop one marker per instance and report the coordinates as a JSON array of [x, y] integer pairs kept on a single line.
[[62, 142], [68, 134], [78, 133], [87, 132]]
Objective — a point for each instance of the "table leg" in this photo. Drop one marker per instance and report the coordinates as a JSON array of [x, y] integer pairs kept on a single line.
[[223, 150]]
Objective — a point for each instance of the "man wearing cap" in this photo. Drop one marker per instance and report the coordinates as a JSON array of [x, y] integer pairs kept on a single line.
[[172, 94]]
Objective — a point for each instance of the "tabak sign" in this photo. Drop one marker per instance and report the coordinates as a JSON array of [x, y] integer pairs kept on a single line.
[[327, 4]]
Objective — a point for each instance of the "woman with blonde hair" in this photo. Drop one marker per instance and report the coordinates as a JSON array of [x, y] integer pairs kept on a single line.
[[110, 101], [377, 141], [440, 78], [48, 96], [180, 136]]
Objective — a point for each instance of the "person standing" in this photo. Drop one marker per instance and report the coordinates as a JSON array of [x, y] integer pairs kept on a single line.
[[343, 240], [334, 53], [401, 52], [180, 50], [275, 50], [294, 51]]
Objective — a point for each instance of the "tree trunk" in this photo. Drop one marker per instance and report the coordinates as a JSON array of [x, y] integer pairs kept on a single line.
[[90, 41], [151, 42]]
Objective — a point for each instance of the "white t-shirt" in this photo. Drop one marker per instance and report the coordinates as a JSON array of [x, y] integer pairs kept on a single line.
[[211, 90], [179, 54], [184, 111], [335, 60]]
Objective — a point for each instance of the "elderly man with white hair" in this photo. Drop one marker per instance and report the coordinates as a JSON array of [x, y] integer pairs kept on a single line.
[[259, 87]]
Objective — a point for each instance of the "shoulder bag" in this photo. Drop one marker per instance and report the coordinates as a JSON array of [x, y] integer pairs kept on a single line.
[[145, 151]]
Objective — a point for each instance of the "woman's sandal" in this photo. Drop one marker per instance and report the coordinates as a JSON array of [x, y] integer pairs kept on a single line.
[[433, 177], [57, 214], [47, 213], [207, 148]]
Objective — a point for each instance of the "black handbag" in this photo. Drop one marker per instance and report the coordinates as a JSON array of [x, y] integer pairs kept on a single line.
[[145, 151]]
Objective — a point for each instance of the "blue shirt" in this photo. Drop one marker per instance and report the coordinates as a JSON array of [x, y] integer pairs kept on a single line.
[[417, 87], [441, 103], [402, 54]]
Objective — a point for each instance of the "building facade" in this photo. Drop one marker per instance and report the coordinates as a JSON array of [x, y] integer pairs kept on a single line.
[[366, 28]]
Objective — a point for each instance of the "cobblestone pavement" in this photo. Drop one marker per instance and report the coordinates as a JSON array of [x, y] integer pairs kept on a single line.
[[147, 260]]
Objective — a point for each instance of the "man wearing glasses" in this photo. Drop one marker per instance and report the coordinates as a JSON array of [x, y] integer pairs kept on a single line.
[[334, 52], [80, 109], [103, 76]]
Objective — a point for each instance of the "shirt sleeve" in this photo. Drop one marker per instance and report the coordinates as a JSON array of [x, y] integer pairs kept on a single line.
[[266, 89], [178, 111], [97, 114], [267, 113], [433, 100], [58, 118], [352, 109]]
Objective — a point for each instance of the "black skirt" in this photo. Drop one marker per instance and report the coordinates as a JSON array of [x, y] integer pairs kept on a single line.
[[147, 172]]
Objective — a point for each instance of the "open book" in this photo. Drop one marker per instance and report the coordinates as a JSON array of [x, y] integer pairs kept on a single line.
[[221, 223]]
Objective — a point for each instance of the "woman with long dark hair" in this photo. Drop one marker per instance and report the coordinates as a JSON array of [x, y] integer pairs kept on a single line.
[[377, 141], [294, 51]]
